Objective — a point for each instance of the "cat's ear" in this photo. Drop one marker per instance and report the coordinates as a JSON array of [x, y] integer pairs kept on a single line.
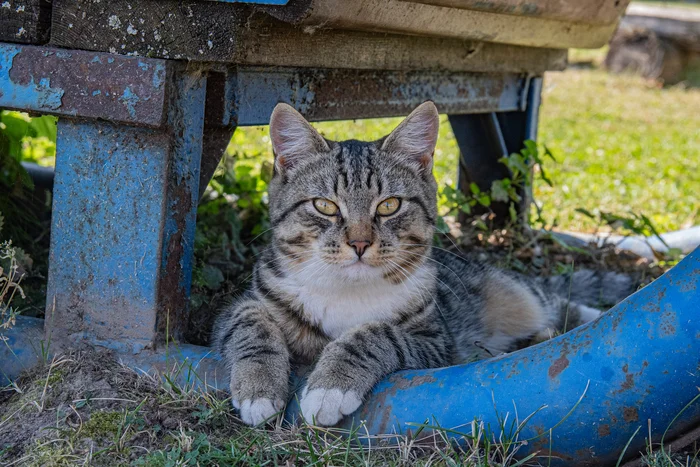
[[293, 138], [416, 136]]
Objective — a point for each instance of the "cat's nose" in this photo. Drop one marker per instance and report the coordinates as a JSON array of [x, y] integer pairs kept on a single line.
[[360, 246]]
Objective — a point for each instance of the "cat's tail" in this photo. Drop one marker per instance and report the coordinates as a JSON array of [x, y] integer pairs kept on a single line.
[[598, 289]]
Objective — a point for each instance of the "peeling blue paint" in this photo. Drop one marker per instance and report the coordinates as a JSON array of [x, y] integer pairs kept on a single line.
[[130, 100], [65, 83], [187, 121], [25, 95], [158, 77], [106, 232]]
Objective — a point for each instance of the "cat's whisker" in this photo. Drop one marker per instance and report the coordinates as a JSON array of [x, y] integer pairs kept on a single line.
[[259, 235], [453, 243], [433, 246], [434, 276], [419, 286], [440, 264], [313, 263], [319, 272], [266, 263]]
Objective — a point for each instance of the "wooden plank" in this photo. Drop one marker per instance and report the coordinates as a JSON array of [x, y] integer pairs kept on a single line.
[[402, 17], [233, 34], [281, 45], [25, 21], [575, 11]]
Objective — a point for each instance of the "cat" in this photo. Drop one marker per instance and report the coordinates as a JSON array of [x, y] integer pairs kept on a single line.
[[352, 283]]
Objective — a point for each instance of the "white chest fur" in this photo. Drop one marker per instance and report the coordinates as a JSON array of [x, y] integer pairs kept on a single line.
[[336, 304]]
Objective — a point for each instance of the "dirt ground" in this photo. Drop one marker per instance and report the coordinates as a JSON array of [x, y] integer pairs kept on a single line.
[[86, 407]]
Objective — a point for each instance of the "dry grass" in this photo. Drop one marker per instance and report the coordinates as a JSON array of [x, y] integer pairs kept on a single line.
[[86, 409]]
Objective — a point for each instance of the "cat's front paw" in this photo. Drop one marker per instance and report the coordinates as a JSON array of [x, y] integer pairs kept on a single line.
[[257, 411], [327, 406]]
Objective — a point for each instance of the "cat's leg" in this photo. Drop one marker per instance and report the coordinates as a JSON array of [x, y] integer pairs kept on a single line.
[[255, 351], [351, 365]]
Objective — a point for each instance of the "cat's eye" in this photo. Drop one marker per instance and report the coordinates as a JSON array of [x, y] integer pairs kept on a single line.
[[389, 206], [326, 207]]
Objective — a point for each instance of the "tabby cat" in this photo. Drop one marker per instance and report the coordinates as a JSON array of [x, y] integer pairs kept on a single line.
[[352, 283]]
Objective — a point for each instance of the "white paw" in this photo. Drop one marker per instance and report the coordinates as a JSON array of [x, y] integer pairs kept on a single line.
[[327, 406], [257, 411]]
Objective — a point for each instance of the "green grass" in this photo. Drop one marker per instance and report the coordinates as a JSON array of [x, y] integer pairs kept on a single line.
[[623, 144]]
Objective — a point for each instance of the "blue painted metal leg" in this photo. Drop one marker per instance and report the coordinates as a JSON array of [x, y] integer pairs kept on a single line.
[[123, 225]]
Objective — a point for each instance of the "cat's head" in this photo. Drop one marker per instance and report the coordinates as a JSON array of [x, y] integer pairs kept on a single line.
[[353, 210]]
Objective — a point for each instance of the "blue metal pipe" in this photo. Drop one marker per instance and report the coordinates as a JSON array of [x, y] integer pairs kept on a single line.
[[593, 387]]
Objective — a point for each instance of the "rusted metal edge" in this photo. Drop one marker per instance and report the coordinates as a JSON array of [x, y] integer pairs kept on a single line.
[[74, 83], [351, 94]]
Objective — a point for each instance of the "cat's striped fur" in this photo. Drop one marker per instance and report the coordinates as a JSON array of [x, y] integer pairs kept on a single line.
[[362, 313]]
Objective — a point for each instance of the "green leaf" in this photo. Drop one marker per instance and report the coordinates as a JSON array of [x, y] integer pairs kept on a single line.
[[441, 226], [212, 277], [484, 200], [499, 190], [543, 176], [513, 213], [531, 147], [548, 153]]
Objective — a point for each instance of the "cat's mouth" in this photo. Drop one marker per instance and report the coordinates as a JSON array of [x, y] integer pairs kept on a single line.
[[360, 270], [359, 264]]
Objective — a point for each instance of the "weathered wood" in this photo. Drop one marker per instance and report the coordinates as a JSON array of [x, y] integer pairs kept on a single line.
[[681, 26], [576, 11], [278, 44], [657, 43], [25, 21], [214, 32], [397, 16]]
